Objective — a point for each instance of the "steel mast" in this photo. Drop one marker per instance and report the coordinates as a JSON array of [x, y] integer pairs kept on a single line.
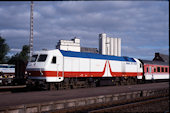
[[31, 31]]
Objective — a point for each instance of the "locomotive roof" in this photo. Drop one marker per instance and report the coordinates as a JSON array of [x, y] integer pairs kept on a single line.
[[155, 62], [95, 56]]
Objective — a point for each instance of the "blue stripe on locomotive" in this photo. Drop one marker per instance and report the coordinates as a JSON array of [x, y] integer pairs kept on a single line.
[[95, 56]]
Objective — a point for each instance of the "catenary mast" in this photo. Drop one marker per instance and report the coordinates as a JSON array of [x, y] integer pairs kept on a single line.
[[31, 30]]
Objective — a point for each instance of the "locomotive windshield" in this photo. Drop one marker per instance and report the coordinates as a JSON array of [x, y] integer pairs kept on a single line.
[[42, 58], [34, 58]]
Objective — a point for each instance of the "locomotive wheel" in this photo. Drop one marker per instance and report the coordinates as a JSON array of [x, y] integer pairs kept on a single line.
[[71, 86], [52, 86], [117, 81], [123, 82], [129, 81], [93, 84], [139, 81], [134, 80]]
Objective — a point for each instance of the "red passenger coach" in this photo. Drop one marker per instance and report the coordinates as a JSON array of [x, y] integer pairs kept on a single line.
[[154, 70]]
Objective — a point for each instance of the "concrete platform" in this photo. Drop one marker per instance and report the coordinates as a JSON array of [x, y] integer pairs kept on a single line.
[[49, 100]]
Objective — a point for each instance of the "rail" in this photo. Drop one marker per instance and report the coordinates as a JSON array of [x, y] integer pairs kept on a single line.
[[12, 87]]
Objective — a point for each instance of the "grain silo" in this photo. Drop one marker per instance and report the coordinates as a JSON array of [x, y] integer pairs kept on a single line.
[[102, 43], [109, 45]]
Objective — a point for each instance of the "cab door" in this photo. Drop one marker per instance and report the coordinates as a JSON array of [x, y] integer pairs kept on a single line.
[[59, 68], [55, 68]]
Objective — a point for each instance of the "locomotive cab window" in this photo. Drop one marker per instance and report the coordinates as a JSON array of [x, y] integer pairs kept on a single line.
[[53, 60], [42, 58], [34, 58]]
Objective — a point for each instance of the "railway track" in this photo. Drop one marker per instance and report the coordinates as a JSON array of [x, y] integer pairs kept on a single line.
[[121, 106], [24, 88], [11, 89], [129, 107]]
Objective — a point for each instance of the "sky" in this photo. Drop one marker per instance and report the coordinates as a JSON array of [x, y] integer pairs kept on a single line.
[[143, 26]]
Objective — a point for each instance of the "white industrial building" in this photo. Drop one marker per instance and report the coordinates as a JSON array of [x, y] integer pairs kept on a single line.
[[109, 46], [69, 45]]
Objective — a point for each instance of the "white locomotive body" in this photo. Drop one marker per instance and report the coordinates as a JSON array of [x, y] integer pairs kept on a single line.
[[56, 65]]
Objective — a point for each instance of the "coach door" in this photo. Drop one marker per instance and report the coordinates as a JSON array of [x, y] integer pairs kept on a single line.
[[150, 72]]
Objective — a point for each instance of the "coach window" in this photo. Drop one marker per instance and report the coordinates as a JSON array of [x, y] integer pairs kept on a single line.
[[54, 60], [162, 69], [166, 69], [147, 69], [154, 69], [158, 69]]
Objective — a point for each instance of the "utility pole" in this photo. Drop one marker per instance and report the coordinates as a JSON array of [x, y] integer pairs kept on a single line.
[[31, 31]]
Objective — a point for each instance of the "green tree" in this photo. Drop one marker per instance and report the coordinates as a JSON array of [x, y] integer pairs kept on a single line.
[[13, 59], [22, 56], [4, 48]]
